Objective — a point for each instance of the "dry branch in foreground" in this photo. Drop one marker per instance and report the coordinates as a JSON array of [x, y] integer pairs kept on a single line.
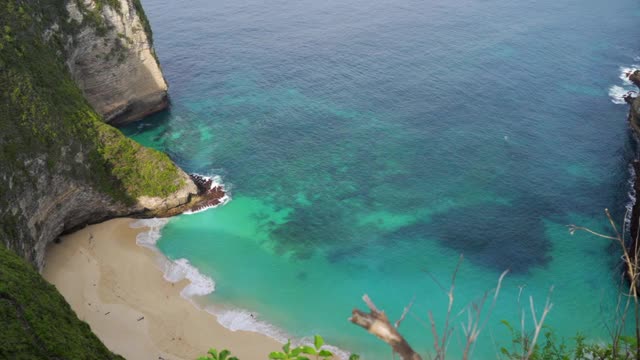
[[377, 323]]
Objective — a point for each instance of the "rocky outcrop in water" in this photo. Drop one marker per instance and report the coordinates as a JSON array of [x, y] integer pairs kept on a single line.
[[208, 195]]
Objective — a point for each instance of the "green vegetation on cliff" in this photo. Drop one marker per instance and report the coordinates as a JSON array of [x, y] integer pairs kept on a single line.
[[49, 134], [44, 117], [145, 172], [36, 321]]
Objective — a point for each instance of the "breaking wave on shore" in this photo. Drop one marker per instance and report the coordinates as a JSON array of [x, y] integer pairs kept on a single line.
[[200, 285], [174, 270]]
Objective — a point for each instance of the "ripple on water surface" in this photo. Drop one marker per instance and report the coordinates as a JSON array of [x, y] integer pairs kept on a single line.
[[366, 145]]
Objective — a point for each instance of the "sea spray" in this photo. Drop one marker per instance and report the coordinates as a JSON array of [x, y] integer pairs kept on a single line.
[[216, 181], [616, 94], [625, 71], [223, 200], [243, 320]]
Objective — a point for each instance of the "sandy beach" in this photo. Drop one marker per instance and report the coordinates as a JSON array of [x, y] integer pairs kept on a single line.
[[117, 287]]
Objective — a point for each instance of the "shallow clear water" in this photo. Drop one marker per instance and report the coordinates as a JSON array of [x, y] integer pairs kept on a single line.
[[367, 144]]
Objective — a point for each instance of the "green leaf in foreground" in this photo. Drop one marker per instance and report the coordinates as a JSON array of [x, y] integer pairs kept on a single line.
[[318, 341], [308, 350], [277, 355], [325, 353], [224, 354]]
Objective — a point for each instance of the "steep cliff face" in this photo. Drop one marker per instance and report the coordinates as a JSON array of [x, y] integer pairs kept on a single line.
[[58, 198], [112, 60], [634, 123], [60, 165]]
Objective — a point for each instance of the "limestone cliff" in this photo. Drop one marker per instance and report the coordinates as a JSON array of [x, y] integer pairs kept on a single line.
[[112, 60], [61, 166]]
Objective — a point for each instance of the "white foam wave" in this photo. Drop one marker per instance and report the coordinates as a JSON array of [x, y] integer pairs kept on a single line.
[[199, 284], [243, 320], [174, 271], [150, 237], [216, 181], [616, 92], [223, 200], [626, 70]]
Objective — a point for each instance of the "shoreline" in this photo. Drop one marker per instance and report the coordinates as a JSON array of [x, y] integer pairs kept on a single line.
[[119, 289]]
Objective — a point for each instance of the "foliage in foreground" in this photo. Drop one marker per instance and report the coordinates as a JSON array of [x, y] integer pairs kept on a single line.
[[550, 348], [538, 343], [518, 349], [302, 352]]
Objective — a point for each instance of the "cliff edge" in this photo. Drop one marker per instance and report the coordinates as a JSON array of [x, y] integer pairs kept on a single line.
[[61, 166], [66, 67]]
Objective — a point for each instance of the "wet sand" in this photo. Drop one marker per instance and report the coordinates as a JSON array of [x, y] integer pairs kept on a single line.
[[117, 287]]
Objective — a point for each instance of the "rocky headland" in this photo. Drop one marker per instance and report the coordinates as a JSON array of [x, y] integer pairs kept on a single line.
[[68, 68]]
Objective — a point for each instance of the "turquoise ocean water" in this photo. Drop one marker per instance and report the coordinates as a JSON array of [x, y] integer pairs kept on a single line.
[[366, 144]]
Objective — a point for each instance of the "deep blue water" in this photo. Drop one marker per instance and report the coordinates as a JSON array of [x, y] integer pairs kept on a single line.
[[367, 144]]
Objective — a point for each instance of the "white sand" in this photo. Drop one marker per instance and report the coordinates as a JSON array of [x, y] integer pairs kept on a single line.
[[110, 282]]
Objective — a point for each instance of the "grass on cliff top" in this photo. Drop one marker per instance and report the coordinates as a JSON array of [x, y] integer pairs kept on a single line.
[[140, 170], [36, 321]]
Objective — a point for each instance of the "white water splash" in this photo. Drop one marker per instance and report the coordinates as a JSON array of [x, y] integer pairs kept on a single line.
[[223, 201], [199, 284], [616, 92], [216, 181], [150, 237], [243, 320], [626, 70]]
